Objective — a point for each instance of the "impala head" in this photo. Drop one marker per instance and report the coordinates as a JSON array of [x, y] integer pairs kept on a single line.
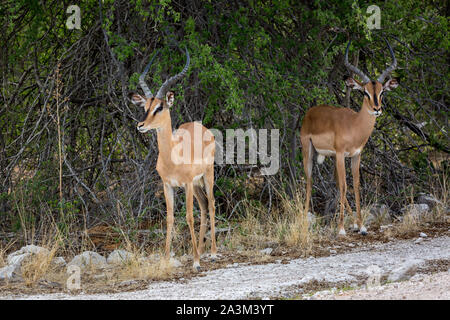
[[156, 107], [372, 89]]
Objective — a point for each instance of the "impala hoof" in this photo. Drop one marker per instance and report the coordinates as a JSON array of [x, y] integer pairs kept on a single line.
[[363, 231], [197, 267], [355, 228], [342, 232]]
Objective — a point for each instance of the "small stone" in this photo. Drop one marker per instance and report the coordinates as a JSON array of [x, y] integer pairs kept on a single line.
[[100, 276], [175, 263], [416, 209], [428, 200], [351, 245], [311, 218], [423, 235], [127, 283], [417, 277], [382, 228], [379, 212], [418, 240], [10, 273], [333, 251], [119, 257], [267, 251], [89, 258], [59, 262]]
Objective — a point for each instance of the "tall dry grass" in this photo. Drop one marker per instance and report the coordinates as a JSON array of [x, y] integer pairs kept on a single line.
[[284, 226]]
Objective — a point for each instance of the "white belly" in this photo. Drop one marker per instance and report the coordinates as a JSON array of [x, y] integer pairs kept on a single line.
[[322, 153], [173, 182], [325, 153]]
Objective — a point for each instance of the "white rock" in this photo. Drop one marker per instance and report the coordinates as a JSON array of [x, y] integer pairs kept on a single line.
[[267, 251], [155, 256], [17, 259], [405, 271], [333, 251], [428, 199], [416, 209], [89, 258], [10, 273], [387, 226], [119, 257], [175, 263], [418, 240], [14, 260], [423, 235], [127, 283], [378, 212], [100, 276], [30, 249], [311, 218], [59, 262]]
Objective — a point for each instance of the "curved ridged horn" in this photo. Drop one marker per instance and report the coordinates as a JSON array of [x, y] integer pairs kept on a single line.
[[391, 67], [354, 69], [148, 93], [166, 85]]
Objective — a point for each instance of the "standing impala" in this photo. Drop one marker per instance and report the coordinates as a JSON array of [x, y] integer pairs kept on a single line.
[[193, 173], [342, 132]]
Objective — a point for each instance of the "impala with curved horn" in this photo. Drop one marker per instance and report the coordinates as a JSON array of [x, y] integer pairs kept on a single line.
[[342, 132], [195, 173]]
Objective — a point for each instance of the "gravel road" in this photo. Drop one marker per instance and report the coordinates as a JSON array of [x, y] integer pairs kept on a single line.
[[419, 287], [237, 281]]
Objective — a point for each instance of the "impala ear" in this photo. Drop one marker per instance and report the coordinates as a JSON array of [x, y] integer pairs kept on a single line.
[[170, 96], [353, 84], [137, 99], [390, 84]]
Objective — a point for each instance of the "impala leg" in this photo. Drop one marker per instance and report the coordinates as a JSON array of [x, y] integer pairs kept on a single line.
[[209, 187], [168, 194], [350, 212], [347, 205], [355, 173], [202, 202], [307, 152], [340, 165], [190, 222]]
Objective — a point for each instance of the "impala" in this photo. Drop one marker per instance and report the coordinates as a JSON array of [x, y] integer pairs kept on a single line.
[[196, 175], [342, 132]]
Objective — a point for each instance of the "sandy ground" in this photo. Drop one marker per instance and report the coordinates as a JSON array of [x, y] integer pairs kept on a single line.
[[419, 287], [302, 278]]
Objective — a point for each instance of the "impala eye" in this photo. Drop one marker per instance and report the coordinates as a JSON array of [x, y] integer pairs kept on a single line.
[[158, 109]]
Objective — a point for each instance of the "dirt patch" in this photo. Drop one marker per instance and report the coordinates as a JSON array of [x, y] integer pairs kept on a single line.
[[326, 247], [318, 289], [290, 279], [434, 286]]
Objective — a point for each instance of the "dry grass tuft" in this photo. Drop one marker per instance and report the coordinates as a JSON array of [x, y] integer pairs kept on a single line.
[[287, 226], [37, 266], [299, 232], [142, 268], [142, 265], [2, 257]]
